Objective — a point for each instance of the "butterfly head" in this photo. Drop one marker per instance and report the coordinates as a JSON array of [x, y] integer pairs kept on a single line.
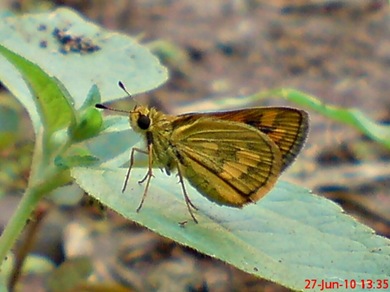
[[140, 119]]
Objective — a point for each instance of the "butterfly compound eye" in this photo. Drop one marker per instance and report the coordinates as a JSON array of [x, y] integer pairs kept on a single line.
[[143, 122]]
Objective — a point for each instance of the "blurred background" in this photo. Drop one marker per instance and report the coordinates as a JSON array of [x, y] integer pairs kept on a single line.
[[338, 51]]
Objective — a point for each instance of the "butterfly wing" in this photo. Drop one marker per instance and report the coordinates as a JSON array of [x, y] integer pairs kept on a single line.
[[287, 127], [230, 163]]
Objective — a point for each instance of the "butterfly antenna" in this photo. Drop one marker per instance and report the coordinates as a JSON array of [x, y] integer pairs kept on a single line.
[[122, 86], [102, 106]]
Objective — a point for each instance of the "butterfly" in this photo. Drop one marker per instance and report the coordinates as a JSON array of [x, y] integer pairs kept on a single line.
[[233, 158]]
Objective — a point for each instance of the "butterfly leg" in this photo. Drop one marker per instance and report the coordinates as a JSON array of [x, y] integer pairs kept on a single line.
[[186, 198], [131, 165], [148, 175]]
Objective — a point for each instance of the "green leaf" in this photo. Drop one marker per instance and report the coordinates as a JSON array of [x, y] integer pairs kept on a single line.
[[89, 119], [51, 99], [287, 237], [120, 58], [93, 98], [89, 124]]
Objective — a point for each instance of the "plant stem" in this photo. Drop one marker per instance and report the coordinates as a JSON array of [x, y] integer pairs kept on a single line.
[[23, 212], [17, 222]]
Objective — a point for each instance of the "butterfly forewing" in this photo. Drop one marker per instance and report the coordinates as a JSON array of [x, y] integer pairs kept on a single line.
[[287, 127], [231, 163]]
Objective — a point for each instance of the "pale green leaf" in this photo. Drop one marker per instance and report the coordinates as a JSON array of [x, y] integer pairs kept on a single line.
[[287, 237], [120, 58]]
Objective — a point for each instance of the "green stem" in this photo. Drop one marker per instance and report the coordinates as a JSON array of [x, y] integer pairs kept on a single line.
[[23, 212]]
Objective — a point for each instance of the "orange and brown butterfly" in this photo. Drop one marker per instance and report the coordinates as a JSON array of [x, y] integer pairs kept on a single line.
[[232, 158]]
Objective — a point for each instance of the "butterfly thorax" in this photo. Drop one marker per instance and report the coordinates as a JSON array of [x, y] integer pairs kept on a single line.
[[156, 129]]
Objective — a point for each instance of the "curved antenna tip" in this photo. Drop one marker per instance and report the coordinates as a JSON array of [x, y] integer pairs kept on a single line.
[[122, 86]]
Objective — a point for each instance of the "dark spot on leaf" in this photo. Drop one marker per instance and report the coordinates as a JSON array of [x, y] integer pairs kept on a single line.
[[42, 27], [43, 44]]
